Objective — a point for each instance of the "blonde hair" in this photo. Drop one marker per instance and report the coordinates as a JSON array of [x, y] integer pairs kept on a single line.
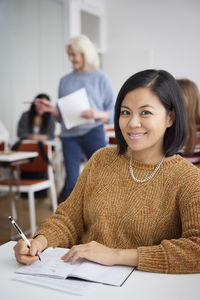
[[84, 45], [191, 97]]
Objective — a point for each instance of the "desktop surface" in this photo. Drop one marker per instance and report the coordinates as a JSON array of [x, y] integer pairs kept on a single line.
[[139, 286], [10, 156]]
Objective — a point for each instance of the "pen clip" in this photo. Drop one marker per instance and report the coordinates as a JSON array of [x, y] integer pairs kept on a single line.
[[18, 229], [15, 225]]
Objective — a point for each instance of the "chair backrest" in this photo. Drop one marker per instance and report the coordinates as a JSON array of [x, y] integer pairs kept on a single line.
[[112, 141], [110, 134], [2, 146], [39, 164]]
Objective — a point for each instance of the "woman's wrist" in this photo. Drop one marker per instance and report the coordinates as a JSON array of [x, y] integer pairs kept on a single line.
[[127, 257], [55, 112], [103, 116], [42, 137], [42, 240]]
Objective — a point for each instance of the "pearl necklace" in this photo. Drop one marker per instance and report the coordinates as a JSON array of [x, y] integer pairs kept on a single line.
[[147, 178]]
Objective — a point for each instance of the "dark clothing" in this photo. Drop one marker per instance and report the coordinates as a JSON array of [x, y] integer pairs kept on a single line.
[[23, 127], [73, 148], [23, 130]]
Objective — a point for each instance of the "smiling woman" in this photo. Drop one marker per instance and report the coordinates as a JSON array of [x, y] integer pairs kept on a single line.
[[157, 214], [76, 58], [143, 121]]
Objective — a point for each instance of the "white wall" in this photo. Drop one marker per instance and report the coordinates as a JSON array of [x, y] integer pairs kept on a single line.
[[160, 34], [140, 34], [33, 58]]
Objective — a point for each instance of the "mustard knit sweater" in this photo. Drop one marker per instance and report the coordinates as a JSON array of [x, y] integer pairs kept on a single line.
[[161, 217]]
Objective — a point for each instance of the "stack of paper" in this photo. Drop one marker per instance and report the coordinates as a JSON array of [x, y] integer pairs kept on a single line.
[[71, 107]]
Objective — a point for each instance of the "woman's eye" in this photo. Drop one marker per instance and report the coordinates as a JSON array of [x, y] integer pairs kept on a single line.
[[146, 112], [124, 112]]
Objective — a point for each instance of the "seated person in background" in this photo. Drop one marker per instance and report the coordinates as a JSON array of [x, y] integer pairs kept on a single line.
[[191, 97], [34, 124], [37, 125], [135, 203]]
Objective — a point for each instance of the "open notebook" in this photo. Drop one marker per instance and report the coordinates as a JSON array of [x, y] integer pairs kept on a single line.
[[52, 266]]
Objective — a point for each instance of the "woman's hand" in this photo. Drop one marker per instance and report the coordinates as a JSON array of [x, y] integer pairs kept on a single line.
[[92, 113], [46, 106], [101, 254], [92, 251], [27, 256], [38, 137]]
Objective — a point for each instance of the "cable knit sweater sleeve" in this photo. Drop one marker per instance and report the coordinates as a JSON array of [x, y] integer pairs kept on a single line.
[[65, 228], [181, 254]]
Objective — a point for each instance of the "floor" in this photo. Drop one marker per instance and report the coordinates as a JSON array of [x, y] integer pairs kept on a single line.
[[7, 231]]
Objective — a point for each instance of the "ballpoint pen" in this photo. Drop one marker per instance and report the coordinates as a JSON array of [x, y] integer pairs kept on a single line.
[[21, 233]]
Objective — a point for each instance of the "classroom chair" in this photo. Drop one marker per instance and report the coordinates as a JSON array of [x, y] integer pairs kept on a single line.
[[110, 136], [2, 146], [31, 186]]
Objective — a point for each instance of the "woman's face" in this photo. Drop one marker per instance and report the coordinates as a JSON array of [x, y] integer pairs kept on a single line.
[[143, 121], [76, 58]]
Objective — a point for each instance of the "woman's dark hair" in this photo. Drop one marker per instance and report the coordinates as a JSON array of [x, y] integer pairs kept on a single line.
[[33, 112], [164, 85]]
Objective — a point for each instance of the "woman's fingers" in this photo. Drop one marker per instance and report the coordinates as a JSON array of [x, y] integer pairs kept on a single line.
[[35, 248], [26, 255], [73, 254], [44, 105], [22, 252], [90, 113], [92, 251], [26, 259]]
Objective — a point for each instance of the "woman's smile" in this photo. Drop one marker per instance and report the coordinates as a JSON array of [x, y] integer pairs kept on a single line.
[[143, 121], [136, 136]]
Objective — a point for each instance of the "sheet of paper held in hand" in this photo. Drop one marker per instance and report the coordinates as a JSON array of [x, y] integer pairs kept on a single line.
[[71, 107], [53, 267]]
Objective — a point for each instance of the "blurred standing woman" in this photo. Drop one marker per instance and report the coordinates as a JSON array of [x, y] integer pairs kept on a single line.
[[35, 124], [191, 97], [89, 137]]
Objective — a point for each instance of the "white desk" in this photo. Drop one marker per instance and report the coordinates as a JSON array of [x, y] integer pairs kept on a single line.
[[15, 158], [139, 286]]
